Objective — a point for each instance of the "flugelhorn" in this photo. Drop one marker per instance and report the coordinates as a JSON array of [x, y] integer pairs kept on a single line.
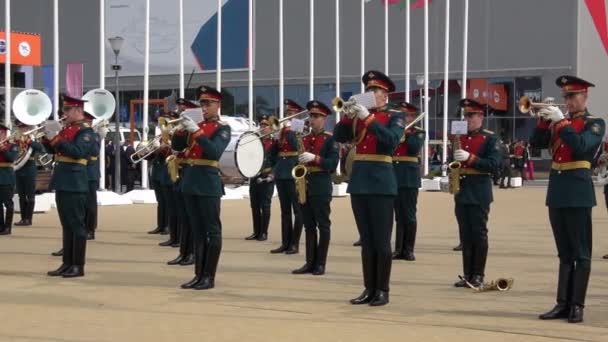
[[527, 106]]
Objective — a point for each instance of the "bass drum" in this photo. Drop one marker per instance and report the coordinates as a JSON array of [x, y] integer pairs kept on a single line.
[[244, 155]]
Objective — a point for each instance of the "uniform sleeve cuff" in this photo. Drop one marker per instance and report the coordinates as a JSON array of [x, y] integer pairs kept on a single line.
[[197, 134], [55, 141], [317, 160], [369, 119], [561, 124], [472, 159]]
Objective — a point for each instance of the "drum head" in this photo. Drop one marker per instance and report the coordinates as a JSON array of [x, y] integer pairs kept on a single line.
[[249, 154]]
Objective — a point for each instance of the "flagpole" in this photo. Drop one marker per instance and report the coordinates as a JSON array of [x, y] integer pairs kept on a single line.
[[7, 64], [446, 80], [218, 72], [362, 42], [144, 163], [337, 51], [281, 60], [386, 38], [55, 59], [182, 90], [250, 65], [102, 85], [311, 85], [465, 49], [407, 52], [426, 86]]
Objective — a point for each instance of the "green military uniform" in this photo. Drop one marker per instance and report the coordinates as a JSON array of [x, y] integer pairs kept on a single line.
[[475, 196], [26, 181], [73, 147], [159, 174], [373, 188], [406, 165], [319, 187], [8, 154], [94, 175], [261, 189], [574, 143], [202, 188], [186, 241], [170, 196]]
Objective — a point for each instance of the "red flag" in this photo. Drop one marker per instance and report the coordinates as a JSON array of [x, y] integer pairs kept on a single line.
[[597, 9], [73, 79]]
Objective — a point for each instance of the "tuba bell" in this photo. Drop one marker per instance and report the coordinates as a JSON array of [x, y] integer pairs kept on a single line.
[[31, 107]]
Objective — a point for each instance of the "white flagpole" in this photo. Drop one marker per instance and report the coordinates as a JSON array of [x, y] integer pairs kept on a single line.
[[312, 51], [446, 81], [407, 52], [386, 38], [7, 64], [250, 71], [362, 42], [337, 51], [182, 90], [465, 50], [144, 164], [426, 86], [55, 58], [219, 47], [102, 85], [281, 57]]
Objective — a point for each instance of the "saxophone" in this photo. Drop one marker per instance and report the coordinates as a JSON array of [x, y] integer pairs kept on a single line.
[[299, 173], [454, 177], [172, 167], [500, 284]]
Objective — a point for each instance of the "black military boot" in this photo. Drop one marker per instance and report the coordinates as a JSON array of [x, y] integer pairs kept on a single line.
[[199, 262], [77, 269], [176, 261], [399, 232], [31, 206], [409, 241], [211, 261], [564, 289], [265, 222], [172, 237], [605, 256], [8, 222], [23, 211], [458, 248], [256, 218], [383, 276], [294, 248], [58, 272], [322, 250], [187, 260], [480, 255], [368, 262], [156, 230], [579, 292], [311, 251], [68, 258], [467, 259], [58, 253]]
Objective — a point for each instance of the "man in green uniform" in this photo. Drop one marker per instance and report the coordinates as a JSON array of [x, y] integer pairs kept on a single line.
[[201, 184], [372, 185], [26, 176], [478, 155], [94, 175], [261, 187], [320, 157], [574, 142], [8, 153], [286, 155], [406, 165], [70, 180]]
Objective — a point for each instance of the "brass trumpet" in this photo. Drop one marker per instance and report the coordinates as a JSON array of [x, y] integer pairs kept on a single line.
[[527, 106]]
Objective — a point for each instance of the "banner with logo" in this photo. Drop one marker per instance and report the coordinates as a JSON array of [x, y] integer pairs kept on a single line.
[[494, 95], [25, 48]]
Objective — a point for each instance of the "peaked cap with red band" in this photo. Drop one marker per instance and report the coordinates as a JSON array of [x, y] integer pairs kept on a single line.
[[68, 101], [407, 108], [206, 93], [471, 106], [318, 107], [292, 105], [572, 84], [186, 103], [377, 79]]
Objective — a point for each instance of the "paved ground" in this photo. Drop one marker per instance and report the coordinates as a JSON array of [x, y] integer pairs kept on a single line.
[[130, 294]]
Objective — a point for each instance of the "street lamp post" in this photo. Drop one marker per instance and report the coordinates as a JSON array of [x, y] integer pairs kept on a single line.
[[420, 83], [116, 44]]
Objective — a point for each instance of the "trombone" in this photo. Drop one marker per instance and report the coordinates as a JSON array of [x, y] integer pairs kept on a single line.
[[527, 106]]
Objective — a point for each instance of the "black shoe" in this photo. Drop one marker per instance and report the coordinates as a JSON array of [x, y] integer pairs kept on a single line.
[[23, 223], [319, 270], [292, 250], [187, 260], [357, 243], [176, 261], [91, 235], [59, 271], [280, 249], [156, 230], [398, 255], [476, 281], [307, 268], [191, 283], [206, 283], [164, 231], [253, 236], [409, 256], [73, 272], [58, 253], [262, 237], [381, 298], [166, 243], [5, 231], [175, 244], [364, 298], [462, 282], [605, 256], [576, 314], [558, 312], [458, 248]]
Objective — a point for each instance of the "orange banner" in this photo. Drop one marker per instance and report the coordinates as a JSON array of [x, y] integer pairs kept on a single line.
[[494, 95], [25, 48]]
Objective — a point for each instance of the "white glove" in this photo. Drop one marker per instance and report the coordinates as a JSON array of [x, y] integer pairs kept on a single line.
[[269, 179], [461, 155], [189, 125], [51, 129], [360, 111], [102, 131], [287, 123], [306, 157], [551, 113]]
